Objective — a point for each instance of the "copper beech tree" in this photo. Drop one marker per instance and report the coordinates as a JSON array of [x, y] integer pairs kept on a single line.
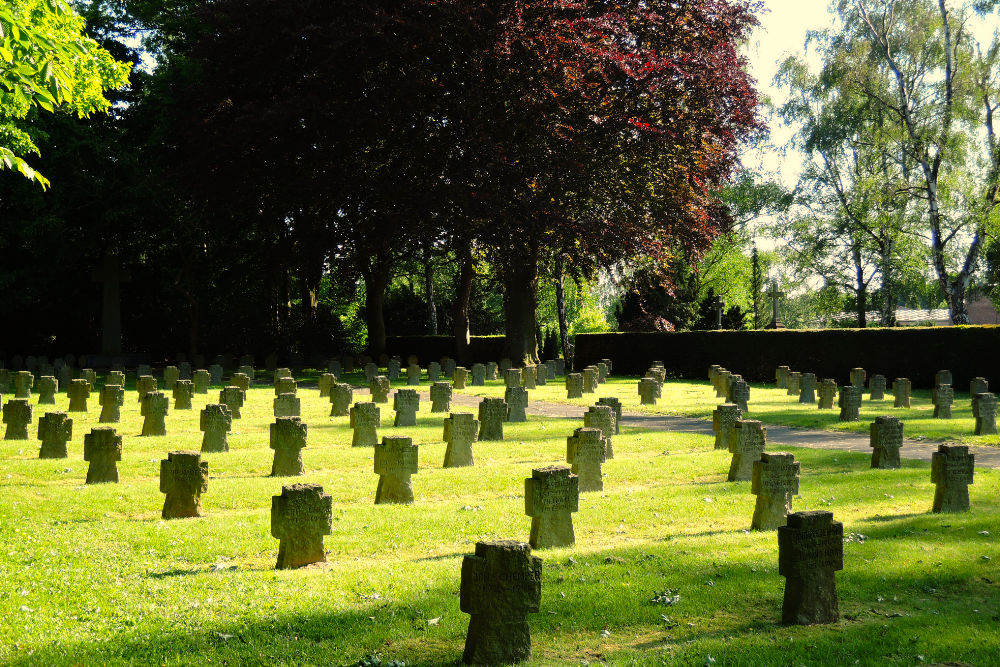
[[594, 132]]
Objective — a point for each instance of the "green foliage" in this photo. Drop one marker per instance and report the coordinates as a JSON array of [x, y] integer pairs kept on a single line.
[[47, 61]]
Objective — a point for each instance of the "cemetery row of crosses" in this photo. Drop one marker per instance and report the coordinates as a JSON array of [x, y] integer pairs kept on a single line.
[[501, 581]]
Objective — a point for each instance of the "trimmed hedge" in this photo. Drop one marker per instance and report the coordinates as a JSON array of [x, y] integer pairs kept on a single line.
[[432, 348], [913, 352]]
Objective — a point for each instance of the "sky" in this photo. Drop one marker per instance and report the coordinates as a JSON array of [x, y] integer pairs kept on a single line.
[[782, 32]]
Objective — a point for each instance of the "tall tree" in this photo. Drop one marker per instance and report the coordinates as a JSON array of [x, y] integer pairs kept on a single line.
[[918, 63], [47, 61]]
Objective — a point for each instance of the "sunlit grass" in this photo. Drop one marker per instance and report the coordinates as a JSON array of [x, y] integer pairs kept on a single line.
[[91, 575]]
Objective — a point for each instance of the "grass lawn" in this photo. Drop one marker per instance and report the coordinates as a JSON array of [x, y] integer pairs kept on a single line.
[[92, 575], [774, 406]]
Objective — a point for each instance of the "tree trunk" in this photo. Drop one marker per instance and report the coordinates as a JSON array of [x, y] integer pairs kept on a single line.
[[432, 318], [376, 272], [888, 315], [520, 295], [460, 310], [561, 312], [309, 284], [861, 289]]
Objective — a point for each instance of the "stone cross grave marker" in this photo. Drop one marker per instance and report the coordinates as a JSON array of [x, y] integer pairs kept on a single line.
[[713, 373], [215, 374], [984, 409], [810, 551], [616, 408], [978, 385], [102, 448], [379, 387], [392, 370], [942, 377], [478, 375], [54, 430], [395, 462], [885, 436], [79, 392], [300, 517], [560, 367], [185, 368], [460, 431], [17, 415], [143, 369], [183, 478], [285, 385], [876, 387], [551, 495], [63, 375], [512, 377], [406, 402], [341, 396], [602, 372], [154, 410], [115, 377], [371, 370], [952, 469], [413, 375], [288, 439], [183, 391], [827, 393], [721, 382], [282, 372], [781, 377], [144, 384], [491, 370], [901, 389], [775, 295], [590, 374], [807, 388], [232, 398], [111, 399], [574, 385], [324, 382], [585, 452], [448, 367], [170, 376], [287, 405], [858, 377], [724, 419], [501, 585], [492, 413], [365, 418], [943, 395], [441, 393], [216, 421], [794, 378], [90, 376], [775, 481], [47, 388], [335, 367], [528, 377], [719, 305], [747, 446], [23, 383], [541, 375], [434, 371], [517, 400], [739, 393], [602, 417], [459, 377], [849, 403], [648, 391]]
